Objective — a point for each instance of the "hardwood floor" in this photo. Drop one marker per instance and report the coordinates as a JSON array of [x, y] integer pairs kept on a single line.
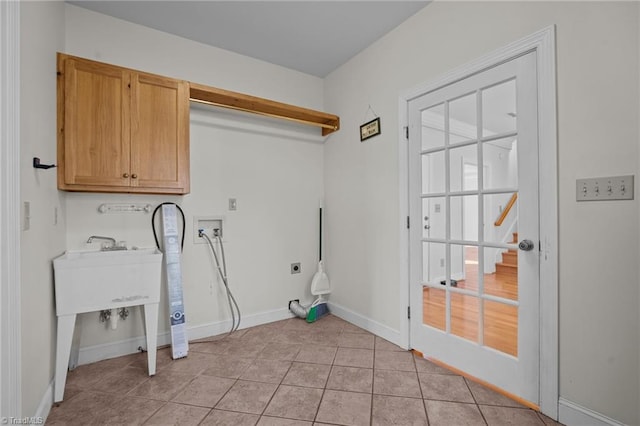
[[500, 320]]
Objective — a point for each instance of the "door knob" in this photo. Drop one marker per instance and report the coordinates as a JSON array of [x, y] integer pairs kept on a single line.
[[526, 245], [125, 175]]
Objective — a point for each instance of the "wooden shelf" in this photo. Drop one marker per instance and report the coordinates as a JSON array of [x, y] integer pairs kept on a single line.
[[252, 104]]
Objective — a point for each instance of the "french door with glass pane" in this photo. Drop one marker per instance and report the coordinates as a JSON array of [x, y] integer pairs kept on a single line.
[[473, 201]]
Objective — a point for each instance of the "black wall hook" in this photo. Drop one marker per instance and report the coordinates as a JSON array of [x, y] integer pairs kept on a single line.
[[37, 165]]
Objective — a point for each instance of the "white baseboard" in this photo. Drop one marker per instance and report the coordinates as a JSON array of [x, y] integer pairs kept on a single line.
[[95, 353], [572, 414], [368, 324], [45, 403], [102, 351]]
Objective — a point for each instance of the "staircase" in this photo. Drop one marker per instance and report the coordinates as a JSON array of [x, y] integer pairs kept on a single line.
[[508, 268]]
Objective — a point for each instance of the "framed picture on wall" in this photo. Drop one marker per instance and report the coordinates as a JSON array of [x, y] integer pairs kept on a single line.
[[370, 129]]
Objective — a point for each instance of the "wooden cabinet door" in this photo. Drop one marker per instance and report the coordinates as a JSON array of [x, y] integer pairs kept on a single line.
[[159, 133], [96, 124]]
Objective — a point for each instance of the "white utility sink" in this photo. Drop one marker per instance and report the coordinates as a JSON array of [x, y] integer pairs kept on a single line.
[[87, 281], [94, 280]]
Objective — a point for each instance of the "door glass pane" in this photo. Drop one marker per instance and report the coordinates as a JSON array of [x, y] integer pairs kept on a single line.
[[434, 214], [501, 327], [464, 217], [434, 307], [464, 267], [463, 169], [433, 127], [464, 316], [433, 263], [462, 119], [500, 159], [456, 266], [501, 212], [433, 169], [499, 113], [501, 273]]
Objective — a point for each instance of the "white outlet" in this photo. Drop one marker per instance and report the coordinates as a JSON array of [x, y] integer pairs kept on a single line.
[[442, 263]]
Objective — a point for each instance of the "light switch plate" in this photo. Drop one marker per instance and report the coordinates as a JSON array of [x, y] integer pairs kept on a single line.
[[605, 188]]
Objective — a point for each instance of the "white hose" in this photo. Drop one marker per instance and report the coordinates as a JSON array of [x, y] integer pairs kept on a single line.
[[233, 305]]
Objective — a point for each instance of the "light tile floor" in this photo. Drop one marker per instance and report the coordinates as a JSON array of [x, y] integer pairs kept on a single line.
[[284, 373]]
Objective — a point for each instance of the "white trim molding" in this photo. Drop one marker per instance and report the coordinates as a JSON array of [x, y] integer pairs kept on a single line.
[[42, 412], [543, 44], [103, 351], [89, 354], [380, 330], [572, 414], [10, 341]]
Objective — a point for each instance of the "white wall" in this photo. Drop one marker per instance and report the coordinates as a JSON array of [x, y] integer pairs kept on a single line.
[[598, 61], [42, 35], [638, 123], [102, 38], [597, 57], [273, 169]]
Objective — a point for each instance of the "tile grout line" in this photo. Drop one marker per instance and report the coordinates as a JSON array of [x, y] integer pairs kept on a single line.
[[424, 405], [324, 390], [373, 383], [277, 338], [205, 416], [225, 394], [276, 391], [474, 399]]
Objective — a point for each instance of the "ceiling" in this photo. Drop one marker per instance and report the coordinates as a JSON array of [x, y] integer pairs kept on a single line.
[[314, 37]]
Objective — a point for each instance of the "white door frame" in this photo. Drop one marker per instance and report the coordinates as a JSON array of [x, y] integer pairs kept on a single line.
[[10, 342], [543, 43]]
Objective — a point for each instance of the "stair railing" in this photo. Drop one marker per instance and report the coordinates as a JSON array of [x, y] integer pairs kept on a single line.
[[501, 218], [506, 210]]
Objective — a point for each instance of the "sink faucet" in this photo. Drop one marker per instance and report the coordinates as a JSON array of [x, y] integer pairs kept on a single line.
[[110, 245], [98, 237]]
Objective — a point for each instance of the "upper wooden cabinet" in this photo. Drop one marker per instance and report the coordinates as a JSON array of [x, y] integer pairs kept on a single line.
[[120, 130]]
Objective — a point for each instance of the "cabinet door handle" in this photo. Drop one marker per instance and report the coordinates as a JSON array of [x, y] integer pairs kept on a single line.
[[134, 176], [125, 175]]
